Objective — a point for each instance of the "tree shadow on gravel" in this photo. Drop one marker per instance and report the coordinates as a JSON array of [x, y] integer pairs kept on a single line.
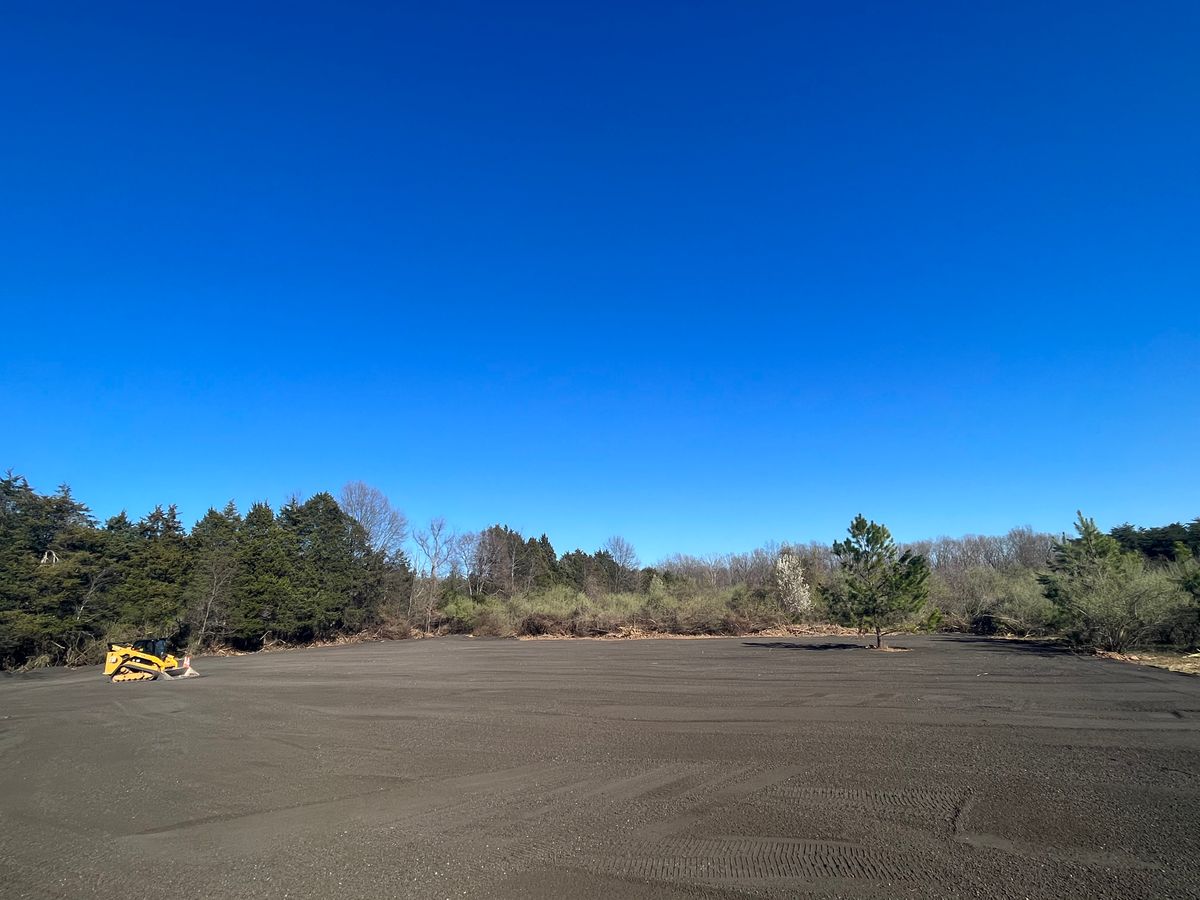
[[791, 645], [1006, 645]]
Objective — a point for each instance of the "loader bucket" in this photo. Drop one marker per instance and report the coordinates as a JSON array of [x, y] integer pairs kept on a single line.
[[183, 671]]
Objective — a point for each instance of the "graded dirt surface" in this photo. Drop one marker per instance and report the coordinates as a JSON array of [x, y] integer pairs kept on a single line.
[[644, 769]]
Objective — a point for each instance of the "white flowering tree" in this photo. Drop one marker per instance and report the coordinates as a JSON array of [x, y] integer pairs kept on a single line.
[[793, 589]]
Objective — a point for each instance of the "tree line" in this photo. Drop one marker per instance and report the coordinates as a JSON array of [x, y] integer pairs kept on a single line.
[[325, 567]]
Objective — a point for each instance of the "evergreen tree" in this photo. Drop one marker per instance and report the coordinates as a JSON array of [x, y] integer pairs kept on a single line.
[[213, 545], [398, 582], [50, 571], [1160, 543], [605, 574], [262, 590], [338, 578], [541, 563], [19, 538], [150, 568], [504, 562], [880, 584], [574, 569], [1108, 597]]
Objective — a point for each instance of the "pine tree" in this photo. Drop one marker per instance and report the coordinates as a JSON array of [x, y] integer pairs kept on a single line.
[[880, 584], [213, 546], [1108, 597], [542, 563], [338, 577], [38, 587], [262, 596]]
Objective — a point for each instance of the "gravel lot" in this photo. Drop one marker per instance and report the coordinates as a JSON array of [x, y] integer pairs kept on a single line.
[[656, 768]]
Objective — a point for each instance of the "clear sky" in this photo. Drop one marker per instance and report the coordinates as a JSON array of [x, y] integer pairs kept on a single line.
[[700, 274]]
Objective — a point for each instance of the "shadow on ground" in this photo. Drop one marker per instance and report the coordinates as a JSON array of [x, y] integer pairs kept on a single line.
[[792, 645], [973, 642], [1005, 645]]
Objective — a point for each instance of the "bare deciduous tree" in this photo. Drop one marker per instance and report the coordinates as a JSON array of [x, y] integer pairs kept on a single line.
[[463, 552], [218, 569], [96, 582], [626, 558], [386, 526], [434, 544]]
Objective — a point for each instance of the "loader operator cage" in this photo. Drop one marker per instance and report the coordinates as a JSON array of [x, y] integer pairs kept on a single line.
[[153, 646]]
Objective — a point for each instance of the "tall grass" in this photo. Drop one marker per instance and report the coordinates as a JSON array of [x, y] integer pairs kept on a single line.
[[564, 611]]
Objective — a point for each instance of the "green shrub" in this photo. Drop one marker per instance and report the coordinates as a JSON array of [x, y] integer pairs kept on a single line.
[[458, 615], [1185, 622], [985, 600], [493, 619], [23, 636], [1109, 598]]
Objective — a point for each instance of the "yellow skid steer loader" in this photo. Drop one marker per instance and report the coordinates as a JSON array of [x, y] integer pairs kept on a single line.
[[145, 660]]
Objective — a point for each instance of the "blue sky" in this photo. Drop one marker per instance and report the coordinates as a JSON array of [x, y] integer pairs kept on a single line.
[[700, 274]]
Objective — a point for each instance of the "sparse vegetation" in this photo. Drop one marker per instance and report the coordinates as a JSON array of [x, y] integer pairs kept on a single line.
[[312, 571]]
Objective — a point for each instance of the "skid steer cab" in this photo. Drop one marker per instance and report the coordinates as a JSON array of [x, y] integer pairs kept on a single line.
[[145, 660]]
